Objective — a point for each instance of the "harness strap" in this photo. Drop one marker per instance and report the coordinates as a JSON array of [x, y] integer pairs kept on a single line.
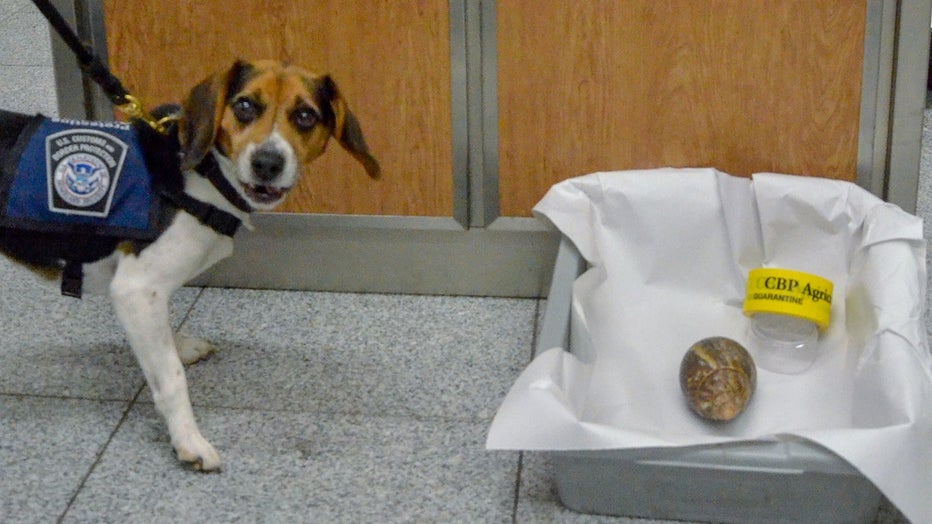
[[224, 223], [209, 169], [207, 214], [72, 279]]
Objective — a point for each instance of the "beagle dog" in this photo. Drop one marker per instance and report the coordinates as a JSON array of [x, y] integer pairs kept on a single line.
[[245, 135]]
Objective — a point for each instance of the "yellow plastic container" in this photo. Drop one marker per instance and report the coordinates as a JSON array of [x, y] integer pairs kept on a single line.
[[788, 308]]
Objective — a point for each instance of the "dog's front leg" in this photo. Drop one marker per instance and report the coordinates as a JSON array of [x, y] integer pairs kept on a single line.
[[143, 311]]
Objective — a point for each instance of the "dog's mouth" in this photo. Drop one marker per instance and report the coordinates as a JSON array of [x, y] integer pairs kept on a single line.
[[264, 194]]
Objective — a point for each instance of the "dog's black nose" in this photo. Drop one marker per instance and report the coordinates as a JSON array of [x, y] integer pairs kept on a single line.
[[267, 165]]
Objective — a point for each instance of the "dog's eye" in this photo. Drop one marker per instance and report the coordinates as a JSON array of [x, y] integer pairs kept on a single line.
[[246, 110], [304, 118]]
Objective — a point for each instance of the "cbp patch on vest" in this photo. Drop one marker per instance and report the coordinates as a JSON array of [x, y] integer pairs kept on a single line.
[[84, 167], [79, 176]]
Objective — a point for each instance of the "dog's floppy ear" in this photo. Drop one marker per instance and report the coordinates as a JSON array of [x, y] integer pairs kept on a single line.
[[345, 128], [200, 118], [202, 111]]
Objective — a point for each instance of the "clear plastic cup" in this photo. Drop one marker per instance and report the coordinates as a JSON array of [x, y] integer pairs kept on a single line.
[[787, 309], [783, 343]]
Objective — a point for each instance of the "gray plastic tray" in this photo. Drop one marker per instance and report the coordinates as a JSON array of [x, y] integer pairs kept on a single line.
[[744, 482]]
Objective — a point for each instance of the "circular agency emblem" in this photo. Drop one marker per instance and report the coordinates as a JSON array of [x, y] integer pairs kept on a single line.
[[81, 179]]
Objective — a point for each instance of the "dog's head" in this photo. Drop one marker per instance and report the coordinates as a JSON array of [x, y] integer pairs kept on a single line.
[[269, 120]]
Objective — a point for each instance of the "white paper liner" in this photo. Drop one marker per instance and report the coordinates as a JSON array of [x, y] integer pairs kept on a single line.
[[670, 250]]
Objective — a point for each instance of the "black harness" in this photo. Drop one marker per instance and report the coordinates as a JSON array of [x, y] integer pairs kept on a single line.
[[65, 187], [162, 151], [75, 173], [208, 214]]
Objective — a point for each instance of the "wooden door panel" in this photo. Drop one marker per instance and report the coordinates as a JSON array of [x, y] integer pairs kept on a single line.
[[390, 59], [744, 86]]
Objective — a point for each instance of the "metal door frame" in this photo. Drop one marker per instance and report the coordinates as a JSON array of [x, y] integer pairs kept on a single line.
[[896, 55]]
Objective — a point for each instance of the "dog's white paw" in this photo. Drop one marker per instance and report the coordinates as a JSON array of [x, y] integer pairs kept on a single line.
[[196, 451], [192, 349]]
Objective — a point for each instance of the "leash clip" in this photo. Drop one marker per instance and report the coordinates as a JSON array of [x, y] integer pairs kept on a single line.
[[133, 108]]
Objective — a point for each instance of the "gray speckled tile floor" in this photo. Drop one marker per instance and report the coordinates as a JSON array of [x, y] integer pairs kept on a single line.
[[48, 445], [28, 79], [326, 407], [304, 467], [57, 346]]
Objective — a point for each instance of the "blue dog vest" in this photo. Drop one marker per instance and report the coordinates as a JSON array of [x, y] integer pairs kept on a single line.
[[71, 191], [71, 176]]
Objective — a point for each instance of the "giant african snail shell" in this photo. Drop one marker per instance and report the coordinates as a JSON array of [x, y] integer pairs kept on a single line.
[[718, 377]]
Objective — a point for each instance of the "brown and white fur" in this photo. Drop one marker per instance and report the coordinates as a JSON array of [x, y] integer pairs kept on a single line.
[[263, 121]]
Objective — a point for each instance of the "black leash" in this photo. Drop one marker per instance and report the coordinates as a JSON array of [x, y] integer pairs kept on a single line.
[[90, 62], [96, 70]]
